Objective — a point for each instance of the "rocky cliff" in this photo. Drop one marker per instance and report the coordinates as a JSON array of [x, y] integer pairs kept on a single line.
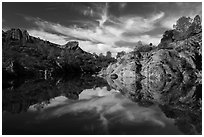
[[168, 75], [25, 55], [174, 65]]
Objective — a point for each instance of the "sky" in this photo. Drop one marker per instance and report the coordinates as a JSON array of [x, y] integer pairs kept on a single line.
[[98, 27]]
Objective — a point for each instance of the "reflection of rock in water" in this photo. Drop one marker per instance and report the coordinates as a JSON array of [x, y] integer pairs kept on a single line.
[[187, 118], [167, 76], [172, 86], [178, 99], [18, 96]]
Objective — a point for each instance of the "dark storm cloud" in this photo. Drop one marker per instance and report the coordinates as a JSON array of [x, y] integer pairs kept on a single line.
[[100, 26]]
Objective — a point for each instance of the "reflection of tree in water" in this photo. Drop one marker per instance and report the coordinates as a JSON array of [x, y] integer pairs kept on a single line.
[[185, 108], [188, 120], [18, 95]]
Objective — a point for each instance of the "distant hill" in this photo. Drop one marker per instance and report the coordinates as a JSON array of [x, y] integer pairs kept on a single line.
[[25, 55]]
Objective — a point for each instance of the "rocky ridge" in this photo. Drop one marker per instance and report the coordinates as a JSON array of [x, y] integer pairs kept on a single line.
[[174, 65], [25, 55], [168, 75]]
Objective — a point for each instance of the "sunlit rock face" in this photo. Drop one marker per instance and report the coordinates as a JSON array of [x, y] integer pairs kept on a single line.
[[163, 67], [162, 72], [173, 68], [170, 78]]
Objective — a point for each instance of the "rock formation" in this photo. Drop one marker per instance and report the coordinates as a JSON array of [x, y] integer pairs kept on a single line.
[[169, 75], [24, 55], [174, 65], [73, 45]]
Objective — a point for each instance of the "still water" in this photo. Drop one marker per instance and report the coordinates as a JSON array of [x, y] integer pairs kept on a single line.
[[90, 105]]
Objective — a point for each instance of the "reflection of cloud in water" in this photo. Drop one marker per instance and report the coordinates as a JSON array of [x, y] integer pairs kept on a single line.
[[110, 106], [98, 92], [52, 103]]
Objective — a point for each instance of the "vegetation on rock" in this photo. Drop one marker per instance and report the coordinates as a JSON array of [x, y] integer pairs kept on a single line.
[[161, 74], [168, 74], [24, 55]]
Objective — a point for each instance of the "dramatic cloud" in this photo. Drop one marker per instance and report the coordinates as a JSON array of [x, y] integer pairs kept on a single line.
[[102, 48], [139, 24], [99, 27], [48, 36], [107, 36]]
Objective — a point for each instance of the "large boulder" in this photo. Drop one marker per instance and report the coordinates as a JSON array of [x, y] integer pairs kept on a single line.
[[172, 67], [169, 75]]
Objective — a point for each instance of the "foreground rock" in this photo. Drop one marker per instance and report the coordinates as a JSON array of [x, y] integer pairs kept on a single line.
[[168, 75], [171, 69]]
